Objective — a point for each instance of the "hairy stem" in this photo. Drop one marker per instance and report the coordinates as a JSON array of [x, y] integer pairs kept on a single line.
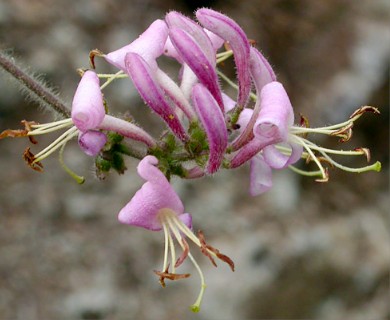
[[41, 92]]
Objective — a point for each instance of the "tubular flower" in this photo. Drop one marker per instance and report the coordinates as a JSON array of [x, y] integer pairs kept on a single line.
[[214, 123], [196, 50], [278, 144], [177, 20], [232, 33], [261, 74], [274, 121], [155, 207], [197, 60], [272, 127], [151, 92], [87, 107]]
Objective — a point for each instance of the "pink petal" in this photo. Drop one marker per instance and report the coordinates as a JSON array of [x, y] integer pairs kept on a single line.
[[193, 55], [261, 71], [262, 74], [176, 19], [92, 141], [87, 107], [170, 51], [155, 195], [245, 117], [188, 80], [213, 122], [186, 218], [228, 102], [248, 151], [215, 40], [277, 160], [149, 45], [149, 89], [231, 32], [276, 114], [127, 129], [260, 176]]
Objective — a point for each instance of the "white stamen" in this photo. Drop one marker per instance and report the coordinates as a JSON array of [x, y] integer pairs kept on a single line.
[[61, 140]]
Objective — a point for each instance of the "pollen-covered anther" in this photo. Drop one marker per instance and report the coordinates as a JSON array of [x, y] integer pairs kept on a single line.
[[325, 160], [92, 54], [170, 276], [364, 109], [30, 159], [364, 151], [184, 255], [325, 177], [28, 128], [207, 250], [304, 121], [13, 133], [345, 133], [319, 158], [18, 133]]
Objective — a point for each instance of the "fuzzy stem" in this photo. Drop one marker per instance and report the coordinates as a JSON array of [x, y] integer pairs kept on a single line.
[[41, 92]]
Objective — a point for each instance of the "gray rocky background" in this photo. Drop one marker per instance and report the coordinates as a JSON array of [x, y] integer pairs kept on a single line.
[[303, 251]]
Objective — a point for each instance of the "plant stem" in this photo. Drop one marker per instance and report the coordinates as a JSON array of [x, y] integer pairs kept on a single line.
[[33, 85]]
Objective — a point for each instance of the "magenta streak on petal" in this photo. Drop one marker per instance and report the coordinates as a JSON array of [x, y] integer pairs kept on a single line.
[[156, 194], [262, 74], [213, 122], [248, 151], [175, 19], [92, 141], [87, 107], [149, 45], [149, 89], [196, 59], [127, 129], [260, 176], [231, 32]]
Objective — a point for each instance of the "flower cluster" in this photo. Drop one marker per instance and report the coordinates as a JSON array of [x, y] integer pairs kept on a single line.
[[207, 129]]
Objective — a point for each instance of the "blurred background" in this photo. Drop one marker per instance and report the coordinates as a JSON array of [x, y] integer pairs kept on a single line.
[[302, 251]]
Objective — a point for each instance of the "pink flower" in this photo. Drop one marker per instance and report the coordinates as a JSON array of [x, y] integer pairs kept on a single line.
[[87, 108], [156, 196], [270, 130], [156, 206]]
